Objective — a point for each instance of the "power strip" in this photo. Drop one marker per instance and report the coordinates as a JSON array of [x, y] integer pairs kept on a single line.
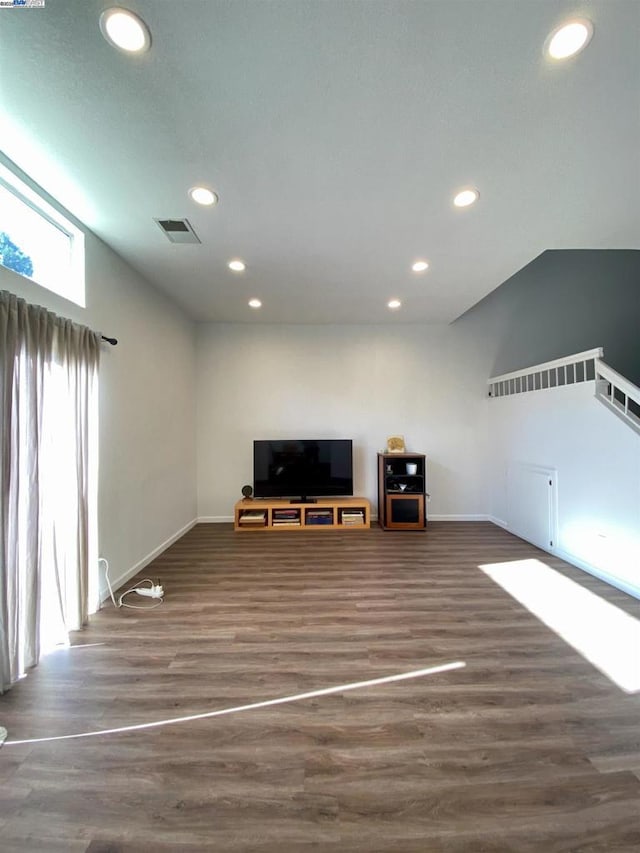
[[150, 592]]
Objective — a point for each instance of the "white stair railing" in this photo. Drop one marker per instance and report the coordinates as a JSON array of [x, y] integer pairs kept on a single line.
[[618, 394], [551, 374]]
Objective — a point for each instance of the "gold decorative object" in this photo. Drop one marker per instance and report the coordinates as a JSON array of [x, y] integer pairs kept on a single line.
[[395, 444]]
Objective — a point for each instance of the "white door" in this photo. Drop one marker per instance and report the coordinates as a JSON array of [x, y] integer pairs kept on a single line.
[[531, 491]]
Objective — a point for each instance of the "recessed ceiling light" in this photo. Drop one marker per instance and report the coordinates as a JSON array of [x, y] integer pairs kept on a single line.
[[466, 197], [394, 304], [255, 303], [237, 265], [124, 30], [201, 195], [569, 39], [420, 266]]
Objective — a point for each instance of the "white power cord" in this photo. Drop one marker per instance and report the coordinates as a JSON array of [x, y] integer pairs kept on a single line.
[[153, 591]]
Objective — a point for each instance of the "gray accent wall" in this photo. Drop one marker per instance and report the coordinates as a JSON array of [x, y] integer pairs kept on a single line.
[[565, 301]]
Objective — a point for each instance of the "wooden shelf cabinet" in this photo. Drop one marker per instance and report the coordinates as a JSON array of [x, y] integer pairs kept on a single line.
[[402, 491], [326, 514]]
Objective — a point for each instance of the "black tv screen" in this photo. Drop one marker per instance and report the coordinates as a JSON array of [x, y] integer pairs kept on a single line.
[[303, 467]]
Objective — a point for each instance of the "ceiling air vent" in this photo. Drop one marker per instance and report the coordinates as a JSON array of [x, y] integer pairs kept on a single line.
[[178, 230]]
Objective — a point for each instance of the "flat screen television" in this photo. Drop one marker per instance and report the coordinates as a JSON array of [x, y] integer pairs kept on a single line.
[[303, 468]]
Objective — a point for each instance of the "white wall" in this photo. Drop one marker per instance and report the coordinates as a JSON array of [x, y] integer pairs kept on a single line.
[[171, 392], [359, 382], [597, 459], [147, 406]]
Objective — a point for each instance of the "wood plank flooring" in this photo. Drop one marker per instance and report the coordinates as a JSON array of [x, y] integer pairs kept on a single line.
[[526, 748]]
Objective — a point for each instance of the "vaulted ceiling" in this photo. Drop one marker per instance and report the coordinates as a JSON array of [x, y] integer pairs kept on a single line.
[[335, 133]]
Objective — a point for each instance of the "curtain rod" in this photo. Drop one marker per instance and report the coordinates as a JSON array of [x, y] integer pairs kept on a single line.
[[112, 341]]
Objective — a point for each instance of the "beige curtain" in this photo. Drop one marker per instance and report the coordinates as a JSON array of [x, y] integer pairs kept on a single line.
[[48, 474]]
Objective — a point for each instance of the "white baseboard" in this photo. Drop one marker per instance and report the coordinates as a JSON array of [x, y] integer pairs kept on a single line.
[[214, 519], [578, 563], [453, 517], [498, 521], [597, 573], [116, 583]]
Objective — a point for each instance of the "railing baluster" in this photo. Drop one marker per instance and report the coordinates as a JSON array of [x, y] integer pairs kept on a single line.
[[611, 388]]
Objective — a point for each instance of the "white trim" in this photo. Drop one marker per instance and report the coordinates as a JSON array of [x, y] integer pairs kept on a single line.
[[561, 554], [214, 519], [608, 381], [455, 517], [587, 355], [509, 394], [598, 573], [498, 522], [125, 576], [628, 388], [617, 408]]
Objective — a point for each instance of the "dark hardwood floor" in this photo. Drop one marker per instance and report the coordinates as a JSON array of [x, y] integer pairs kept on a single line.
[[526, 748]]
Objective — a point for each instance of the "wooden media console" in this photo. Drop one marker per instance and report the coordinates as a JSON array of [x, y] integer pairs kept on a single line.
[[325, 514]]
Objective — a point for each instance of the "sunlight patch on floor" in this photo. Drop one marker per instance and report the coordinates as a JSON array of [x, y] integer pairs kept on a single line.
[[297, 697], [602, 633], [65, 647]]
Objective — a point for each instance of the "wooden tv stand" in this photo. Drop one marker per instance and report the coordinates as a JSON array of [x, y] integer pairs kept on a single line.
[[325, 514]]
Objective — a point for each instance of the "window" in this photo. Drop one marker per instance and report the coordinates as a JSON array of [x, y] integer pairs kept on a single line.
[[37, 241]]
